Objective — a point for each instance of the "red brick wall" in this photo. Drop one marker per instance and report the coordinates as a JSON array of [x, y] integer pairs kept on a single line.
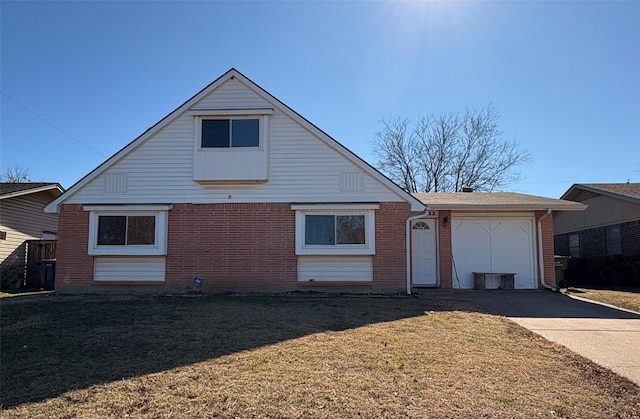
[[444, 249], [389, 262], [231, 247], [547, 247], [74, 266]]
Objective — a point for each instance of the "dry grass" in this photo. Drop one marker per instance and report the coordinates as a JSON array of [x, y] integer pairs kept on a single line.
[[624, 298], [290, 357]]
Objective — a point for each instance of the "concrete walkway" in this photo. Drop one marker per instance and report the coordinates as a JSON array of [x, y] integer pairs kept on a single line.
[[606, 335]]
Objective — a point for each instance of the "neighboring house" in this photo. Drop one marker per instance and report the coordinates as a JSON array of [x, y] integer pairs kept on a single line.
[[609, 226], [237, 189], [22, 218], [497, 232]]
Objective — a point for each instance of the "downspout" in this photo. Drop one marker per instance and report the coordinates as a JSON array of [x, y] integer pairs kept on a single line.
[[541, 252], [408, 246]]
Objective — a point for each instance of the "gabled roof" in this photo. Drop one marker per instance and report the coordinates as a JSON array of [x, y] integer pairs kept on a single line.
[[497, 201], [13, 189], [625, 191], [416, 205]]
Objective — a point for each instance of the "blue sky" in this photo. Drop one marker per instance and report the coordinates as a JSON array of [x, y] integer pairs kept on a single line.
[[80, 80]]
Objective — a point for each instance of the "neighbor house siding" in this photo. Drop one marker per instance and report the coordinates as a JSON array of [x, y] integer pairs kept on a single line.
[[23, 219], [601, 211]]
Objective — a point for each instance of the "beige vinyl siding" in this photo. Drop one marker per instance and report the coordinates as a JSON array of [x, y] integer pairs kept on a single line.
[[335, 268], [301, 166], [23, 219], [601, 211], [143, 268]]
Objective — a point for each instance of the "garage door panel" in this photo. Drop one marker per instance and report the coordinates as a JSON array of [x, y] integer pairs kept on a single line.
[[494, 246], [471, 251]]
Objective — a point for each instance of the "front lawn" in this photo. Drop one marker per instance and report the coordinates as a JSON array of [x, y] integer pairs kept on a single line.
[[289, 357]]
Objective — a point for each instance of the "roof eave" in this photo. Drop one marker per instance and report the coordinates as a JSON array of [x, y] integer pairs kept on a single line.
[[506, 207], [34, 190]]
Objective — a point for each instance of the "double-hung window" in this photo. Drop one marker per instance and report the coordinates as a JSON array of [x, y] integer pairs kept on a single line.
[[128, 230], [335, 229]]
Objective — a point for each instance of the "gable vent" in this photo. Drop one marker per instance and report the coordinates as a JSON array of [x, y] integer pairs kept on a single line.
[[115, 183], [351, 182]]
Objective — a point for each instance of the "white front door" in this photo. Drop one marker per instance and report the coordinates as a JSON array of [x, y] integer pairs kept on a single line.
[[423, 253]]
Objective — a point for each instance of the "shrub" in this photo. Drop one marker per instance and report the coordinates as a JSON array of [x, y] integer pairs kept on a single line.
[[604, 271]]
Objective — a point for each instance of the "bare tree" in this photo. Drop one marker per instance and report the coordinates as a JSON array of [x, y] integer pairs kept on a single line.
[[446, 152], [16, 174]]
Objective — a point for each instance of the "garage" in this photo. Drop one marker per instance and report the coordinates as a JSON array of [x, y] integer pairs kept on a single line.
[[494, 245], [489, 233]]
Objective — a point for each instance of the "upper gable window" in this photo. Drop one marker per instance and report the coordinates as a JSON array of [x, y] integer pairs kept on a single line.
[[230, 133]]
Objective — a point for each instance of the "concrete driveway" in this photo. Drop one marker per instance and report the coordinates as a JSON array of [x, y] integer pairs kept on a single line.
[[608, 336]]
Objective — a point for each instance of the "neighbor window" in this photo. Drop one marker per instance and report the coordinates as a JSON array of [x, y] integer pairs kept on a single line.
[[126, 230], [574, 245], [614, 246], [230, 133]]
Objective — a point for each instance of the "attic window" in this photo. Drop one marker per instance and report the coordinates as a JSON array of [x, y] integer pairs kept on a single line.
[[230, 133]]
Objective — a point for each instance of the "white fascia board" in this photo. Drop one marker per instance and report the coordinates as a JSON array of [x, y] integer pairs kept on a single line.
[[338, 206]]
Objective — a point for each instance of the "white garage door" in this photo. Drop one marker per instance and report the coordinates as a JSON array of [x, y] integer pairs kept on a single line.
[[497, 245]]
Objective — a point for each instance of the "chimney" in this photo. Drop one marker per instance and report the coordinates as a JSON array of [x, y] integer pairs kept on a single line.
[[467, 189]]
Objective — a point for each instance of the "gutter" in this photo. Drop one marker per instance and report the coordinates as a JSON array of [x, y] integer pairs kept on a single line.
[[541, 252], [408, 245]]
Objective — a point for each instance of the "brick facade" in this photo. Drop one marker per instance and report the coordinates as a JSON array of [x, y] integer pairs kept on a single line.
[[74, 266], [547, 248], [593, 241], [445, 252], [232, 247]]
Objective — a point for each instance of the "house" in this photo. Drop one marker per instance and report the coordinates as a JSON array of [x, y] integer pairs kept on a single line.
[[22, 219], [238, 190], [497, 232], [609, 226]]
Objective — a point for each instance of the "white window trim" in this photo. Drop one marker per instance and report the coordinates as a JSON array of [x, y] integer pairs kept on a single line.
[[160, 212], [368, 210]]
